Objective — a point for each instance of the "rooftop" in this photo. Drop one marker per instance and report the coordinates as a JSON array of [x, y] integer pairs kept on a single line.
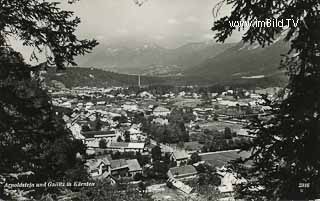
[[119, 163], [134, 165], [161, 109], [180, 154], [129, 145], [94, 163], [183, 170], [91, 134]]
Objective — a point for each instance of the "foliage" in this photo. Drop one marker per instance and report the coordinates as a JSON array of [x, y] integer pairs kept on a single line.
[[104, 191], [44, 26], [181, 115], [227, 133], [156, 153], [33, 137], [120, 119], [174, 132], [214, 140], [207, 175], [285, 155], [159, 170], [98, 123], [85, 127], [127, 136], [102, 144], [142, 159], [119, 139], [194, 158]]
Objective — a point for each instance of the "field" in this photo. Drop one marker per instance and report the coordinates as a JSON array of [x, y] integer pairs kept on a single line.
[[219, 159], [220, 126]]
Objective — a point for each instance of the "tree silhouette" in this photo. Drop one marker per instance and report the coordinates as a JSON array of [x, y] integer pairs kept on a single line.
[[44, 26], [127, 136], [156, 153], [194, 158], [102, 143], [285, 153], [33, 136]]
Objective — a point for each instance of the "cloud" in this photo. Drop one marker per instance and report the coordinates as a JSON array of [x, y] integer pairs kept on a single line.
[[159, 37], [122, 31], [208, 36], [173, 21], [192, 19], [187, 34], [100, 37]]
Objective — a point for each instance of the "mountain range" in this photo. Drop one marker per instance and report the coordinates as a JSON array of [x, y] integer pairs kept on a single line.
[[243, 61], [149, 58], [202, 63]]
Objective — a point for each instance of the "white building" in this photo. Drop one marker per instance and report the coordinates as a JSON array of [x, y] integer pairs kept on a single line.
[[161, 111]]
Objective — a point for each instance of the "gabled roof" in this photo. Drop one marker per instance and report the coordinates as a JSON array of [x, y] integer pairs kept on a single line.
[[105, 175], [180, 154], [180, 185], [161, 109], [134, 131], [94, 163], [183, 170], [129, 145], [136, 145], [134, 165], [91, 134], [118, 164], [119, 144]]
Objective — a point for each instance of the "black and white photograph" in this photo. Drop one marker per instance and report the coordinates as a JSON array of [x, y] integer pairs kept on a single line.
[[159, 100]]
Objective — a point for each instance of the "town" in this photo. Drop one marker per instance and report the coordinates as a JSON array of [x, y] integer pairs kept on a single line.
[[172, 142]]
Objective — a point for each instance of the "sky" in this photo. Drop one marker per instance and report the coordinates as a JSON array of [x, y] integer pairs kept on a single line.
[[168, 23]]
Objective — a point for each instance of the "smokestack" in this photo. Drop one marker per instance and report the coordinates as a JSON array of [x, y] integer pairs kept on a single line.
[[139, 81]]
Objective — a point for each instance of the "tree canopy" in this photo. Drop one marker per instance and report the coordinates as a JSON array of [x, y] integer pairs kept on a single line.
[[44, 26], [285, 153], [33, 136]]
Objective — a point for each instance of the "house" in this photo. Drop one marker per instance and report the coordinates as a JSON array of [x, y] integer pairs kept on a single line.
[[101, 102], [108, 135], [228, 181], [106, 177], [160, 121], [136, 135], [127, 146], [92, 138], [75, 130], [119, 168], [97, 167], [179, 156], [146, 94], [182, 172], [161, 111], [134, 167], [130, 107], [180, 185], [89, 105]]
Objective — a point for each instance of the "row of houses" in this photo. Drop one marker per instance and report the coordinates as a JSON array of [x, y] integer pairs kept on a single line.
[[104, 167]]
